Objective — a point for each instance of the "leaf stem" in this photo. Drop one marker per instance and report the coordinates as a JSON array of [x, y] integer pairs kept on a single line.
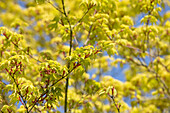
[[116, 105]]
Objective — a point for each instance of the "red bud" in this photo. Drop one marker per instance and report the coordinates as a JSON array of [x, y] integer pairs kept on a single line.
[[87, 55], [63, 72], [113, 91]]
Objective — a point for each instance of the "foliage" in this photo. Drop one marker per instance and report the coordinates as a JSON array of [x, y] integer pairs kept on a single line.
[[49, 50]]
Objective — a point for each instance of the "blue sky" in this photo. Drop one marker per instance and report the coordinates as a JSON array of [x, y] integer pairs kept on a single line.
[[117, 73]]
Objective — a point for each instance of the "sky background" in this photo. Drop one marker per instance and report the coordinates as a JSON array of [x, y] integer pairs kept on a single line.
[[116, 72]]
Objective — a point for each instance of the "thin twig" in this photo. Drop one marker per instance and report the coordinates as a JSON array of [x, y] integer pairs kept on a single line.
[[88, 36], [38, 100], [23, 51], [19, 92], [26, 52], [55, 7], [82, 17], [77, 103], [166, 67], [158, 77], [116, 105]]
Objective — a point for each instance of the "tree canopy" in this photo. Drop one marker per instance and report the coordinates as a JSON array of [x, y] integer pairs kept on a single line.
[[69, 56]]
